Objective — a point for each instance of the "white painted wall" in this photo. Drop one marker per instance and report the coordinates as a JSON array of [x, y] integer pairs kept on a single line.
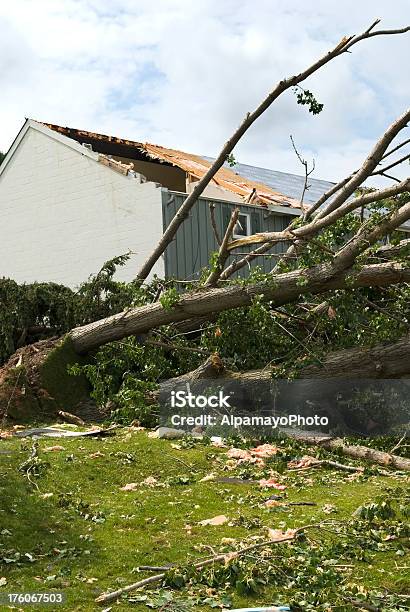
[[63, 214]]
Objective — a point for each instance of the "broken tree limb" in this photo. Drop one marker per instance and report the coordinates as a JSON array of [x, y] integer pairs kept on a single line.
[[223, 252], [314, 227], [240, 263], [312, 463], [390, 251], [213, 223], [211, 369], [368, 166], [342, 47], [358, 452], [219, 558], [284, 288], [383, 361]]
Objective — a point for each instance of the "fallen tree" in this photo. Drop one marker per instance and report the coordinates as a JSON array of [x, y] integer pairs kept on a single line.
[[335, 247]]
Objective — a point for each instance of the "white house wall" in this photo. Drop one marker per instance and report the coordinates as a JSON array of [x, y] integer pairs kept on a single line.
[[63, 214]]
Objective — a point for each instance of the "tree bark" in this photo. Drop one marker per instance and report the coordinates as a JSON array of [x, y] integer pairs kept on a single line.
[[383, 361], [283, 289], [358, 452]]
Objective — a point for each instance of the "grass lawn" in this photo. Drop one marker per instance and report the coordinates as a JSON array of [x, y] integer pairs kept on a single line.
[[76, 531]]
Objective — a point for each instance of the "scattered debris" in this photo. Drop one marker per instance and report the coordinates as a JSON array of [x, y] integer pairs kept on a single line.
[[218, 442], [71, 418], [53, 449], [277, 535], [227, 480], [219, 558], [150, 481], [208, 477], [131, 486], [268, 609], [221, 519], [53, 432], [273, 503], [255, 455], [307, 462], [264, 450], [271, 483], [329, 508]]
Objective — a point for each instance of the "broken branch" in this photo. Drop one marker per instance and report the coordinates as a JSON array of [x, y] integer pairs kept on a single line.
[[219, 558], [345, 44]]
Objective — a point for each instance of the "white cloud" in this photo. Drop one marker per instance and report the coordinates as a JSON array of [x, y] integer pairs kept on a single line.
[[183, 73]]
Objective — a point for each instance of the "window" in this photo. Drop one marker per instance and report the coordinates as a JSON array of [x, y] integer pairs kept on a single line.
[[243, 226]]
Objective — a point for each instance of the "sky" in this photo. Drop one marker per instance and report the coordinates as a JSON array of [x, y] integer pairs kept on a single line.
[[183, 73]]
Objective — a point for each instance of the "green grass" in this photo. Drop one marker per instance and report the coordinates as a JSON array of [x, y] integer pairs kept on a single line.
[[88, 536]]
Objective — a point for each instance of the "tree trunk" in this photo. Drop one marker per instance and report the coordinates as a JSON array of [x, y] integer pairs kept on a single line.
[[358, 452], [283, 289]]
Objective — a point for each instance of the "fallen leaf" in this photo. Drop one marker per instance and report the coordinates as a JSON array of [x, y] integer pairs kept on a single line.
[[96, 455], [53, 449], [329, 508], [46, 495], [3, 581], [221, 519], [5, 532]]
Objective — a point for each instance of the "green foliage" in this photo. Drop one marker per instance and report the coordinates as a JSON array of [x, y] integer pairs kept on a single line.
[[231, 160], [30, 312], [91, 537], [169, 299], [46, 306], [306, 98], [124, 373], [376, 510]]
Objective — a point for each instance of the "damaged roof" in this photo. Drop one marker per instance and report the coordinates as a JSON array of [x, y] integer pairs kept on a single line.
[[252, 191]]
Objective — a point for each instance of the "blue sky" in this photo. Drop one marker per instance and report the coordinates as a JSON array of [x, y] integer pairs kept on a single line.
[[183, 74]]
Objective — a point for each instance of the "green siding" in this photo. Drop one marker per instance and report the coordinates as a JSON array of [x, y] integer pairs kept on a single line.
[[195, 242]]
